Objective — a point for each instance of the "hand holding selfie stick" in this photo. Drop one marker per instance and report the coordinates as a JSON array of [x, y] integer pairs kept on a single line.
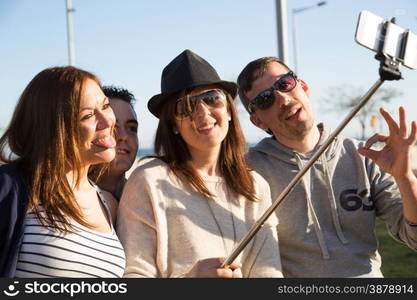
[[388, 70]]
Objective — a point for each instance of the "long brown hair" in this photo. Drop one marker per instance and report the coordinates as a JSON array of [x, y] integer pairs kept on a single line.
[[173, 150], [44, 139]]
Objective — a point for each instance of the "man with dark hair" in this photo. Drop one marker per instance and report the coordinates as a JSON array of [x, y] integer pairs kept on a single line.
[[326, 224], [121, 101]]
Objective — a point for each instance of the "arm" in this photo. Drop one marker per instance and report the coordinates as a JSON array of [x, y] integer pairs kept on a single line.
[[136, 228], [264, 253], [389, 206], [396, 158]]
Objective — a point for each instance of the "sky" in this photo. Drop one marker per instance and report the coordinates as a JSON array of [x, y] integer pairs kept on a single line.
[[127, 43]]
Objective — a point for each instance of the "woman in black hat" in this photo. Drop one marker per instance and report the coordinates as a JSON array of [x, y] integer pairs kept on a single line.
[[184, 211]]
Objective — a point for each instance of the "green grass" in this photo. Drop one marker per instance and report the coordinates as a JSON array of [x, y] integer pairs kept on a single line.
[[397, 259]]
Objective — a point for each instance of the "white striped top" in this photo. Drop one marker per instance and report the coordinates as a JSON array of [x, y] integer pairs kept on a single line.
[[83, 253]]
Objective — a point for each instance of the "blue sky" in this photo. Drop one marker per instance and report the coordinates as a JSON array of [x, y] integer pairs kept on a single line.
[[128, 43]]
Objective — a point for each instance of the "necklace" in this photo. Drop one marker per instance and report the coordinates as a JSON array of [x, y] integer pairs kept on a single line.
[[230, 209]]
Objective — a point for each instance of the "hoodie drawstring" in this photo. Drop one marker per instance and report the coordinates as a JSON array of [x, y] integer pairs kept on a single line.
[[333, 203], [312, 213]]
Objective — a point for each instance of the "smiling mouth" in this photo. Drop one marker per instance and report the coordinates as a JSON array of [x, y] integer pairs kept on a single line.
[[206, 128], [122, 151], [293, 114]]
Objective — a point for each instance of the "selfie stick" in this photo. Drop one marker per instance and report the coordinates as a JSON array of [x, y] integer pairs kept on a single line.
[[388, 70]]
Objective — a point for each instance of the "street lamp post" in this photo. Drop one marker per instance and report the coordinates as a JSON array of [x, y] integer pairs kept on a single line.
[[294, 36], [70, 39], [282, 37]]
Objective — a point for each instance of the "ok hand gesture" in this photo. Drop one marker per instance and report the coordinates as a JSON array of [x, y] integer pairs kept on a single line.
[[395, 156]]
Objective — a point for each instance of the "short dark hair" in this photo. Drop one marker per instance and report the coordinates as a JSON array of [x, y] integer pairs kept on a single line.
[[119, 93], [251, 72]]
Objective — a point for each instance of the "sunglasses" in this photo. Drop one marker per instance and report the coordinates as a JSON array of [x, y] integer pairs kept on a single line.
[[186, 106], [264, 100]]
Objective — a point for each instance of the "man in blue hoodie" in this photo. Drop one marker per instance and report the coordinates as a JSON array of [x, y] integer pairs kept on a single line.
[[326, 224]]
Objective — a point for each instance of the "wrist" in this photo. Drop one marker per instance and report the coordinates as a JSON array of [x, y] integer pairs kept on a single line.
[[408, 177]]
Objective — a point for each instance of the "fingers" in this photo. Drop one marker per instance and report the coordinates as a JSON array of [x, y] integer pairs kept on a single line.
[[375, 138], [371, 154], [211, 267], [403, 122], [392, 125], [227, 271], [413, 135], [233, 266], [400, 129], [224, 273]]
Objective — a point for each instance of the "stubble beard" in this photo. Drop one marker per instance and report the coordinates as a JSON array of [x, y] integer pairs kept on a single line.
[[297, 132]]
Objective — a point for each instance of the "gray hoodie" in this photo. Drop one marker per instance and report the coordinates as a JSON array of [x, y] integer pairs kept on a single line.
[[326, 224]]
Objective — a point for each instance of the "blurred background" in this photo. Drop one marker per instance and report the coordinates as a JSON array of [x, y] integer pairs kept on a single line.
[[128, 43]]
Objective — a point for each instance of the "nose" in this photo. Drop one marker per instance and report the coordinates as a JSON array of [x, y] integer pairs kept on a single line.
[[281, 99], [105, 120], [121, 133], [201, 109]]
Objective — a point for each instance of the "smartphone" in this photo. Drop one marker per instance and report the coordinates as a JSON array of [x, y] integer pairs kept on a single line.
[[380, 35]]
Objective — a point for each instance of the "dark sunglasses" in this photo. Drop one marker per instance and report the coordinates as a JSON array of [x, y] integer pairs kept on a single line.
[[186, 106], [264, 100]]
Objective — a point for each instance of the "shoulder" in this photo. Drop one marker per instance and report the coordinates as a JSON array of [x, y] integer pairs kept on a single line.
[[9, 172], [10, 179], [263, 194], [261, 185], [150, 168], [258, 154], [253, 154], [257, 178], [13, 193]]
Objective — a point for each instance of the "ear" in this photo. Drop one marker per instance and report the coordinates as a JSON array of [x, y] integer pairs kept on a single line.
[[257, 122], [305, 87]]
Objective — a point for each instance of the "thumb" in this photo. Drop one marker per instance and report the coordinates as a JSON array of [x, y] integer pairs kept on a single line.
[[372, 154]]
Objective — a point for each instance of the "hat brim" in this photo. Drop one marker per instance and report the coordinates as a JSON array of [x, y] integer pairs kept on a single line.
[[156, 103]]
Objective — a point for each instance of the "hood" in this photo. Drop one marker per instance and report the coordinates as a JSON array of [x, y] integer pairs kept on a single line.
[[273, 147]]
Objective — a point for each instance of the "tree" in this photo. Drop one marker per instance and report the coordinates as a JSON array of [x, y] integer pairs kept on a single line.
[[343, 98]]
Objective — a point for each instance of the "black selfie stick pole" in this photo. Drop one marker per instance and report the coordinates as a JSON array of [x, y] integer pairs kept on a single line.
[[388, 70]]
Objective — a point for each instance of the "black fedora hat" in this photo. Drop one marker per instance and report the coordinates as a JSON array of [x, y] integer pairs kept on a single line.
[[186, 71]]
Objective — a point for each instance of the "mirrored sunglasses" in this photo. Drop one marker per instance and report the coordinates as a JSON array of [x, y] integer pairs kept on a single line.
[[264, 100]]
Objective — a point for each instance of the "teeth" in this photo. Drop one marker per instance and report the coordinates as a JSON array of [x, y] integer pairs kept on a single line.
[[206, 127], [122, 151]]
